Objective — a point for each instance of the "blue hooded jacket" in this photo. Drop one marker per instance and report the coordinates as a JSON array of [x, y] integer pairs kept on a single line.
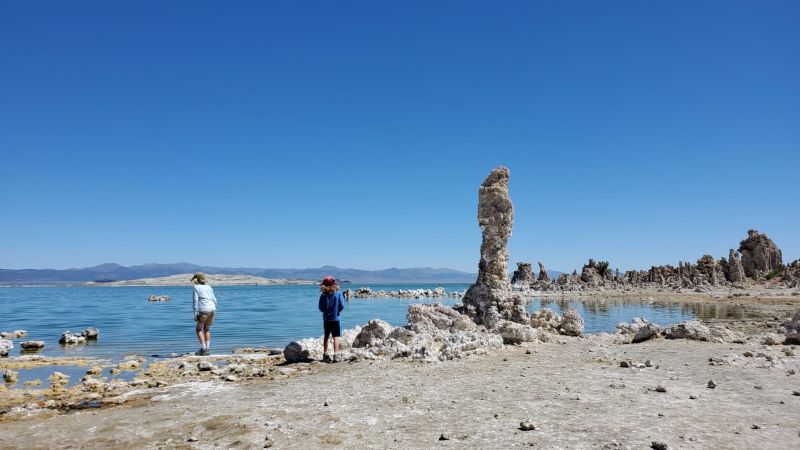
[[331, 305]]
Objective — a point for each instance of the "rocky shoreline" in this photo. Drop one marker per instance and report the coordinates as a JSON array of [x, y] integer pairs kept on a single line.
[[748, 360], [503, 377]]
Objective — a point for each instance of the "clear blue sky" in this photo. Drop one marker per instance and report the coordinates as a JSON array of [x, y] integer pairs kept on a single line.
[[297, 134]]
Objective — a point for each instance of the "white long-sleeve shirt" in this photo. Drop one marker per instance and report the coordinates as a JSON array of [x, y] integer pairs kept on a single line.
[[203, 299]]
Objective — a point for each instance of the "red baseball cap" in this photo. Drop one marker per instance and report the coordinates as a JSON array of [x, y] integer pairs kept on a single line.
[[328, 281]]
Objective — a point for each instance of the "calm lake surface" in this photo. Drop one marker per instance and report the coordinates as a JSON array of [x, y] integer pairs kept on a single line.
[[253, 316]]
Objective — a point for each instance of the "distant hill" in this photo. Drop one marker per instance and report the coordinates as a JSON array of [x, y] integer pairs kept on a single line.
[[115, 272]]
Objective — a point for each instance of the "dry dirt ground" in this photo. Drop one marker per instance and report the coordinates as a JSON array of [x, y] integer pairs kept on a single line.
[[574, 391]]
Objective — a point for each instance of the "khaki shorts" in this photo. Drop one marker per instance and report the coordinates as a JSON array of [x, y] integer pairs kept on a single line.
[[206, 317]]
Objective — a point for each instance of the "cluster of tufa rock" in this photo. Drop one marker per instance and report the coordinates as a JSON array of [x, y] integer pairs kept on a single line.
[[69, 338], [366, 292], [757, 260]]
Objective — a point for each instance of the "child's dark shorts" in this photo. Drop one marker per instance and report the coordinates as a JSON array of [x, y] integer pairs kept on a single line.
[[332, 328]]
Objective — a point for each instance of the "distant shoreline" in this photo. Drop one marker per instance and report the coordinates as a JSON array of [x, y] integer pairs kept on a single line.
[[213, 280]]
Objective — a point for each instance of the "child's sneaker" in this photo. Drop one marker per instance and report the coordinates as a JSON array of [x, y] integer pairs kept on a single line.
[[326, 358], [203, 352], [337, 357]]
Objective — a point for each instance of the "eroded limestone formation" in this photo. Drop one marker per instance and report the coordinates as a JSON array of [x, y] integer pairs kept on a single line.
[[523, 275], [760, 262], [490, 300], [735, 269], [760, 255], [543, 276]]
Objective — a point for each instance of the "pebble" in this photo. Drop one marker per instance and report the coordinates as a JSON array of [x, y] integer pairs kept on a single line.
[[648, 363], [527, 425], [444, 437], [796, 393], [655, 445], [192, 439], [693, 397], [624, 364], [268, 442], [711, 384], [660, 388], [755, 427]]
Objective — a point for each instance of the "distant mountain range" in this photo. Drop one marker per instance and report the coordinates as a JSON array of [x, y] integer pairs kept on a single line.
[[116, 272]]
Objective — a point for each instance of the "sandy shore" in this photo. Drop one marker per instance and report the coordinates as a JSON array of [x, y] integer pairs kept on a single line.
[[573, 389], [213, 279]]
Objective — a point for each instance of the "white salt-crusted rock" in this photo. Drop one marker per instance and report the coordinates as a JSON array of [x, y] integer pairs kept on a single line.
[[310, 349], [517, 333], [546, 319], [695, 330], [5, 347], [373, 333], [646, 332], [13, 334], [69, 338], [571, 323]]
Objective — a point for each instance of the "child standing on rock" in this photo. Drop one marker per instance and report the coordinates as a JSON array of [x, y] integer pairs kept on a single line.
[[204, 306], [331, 303]]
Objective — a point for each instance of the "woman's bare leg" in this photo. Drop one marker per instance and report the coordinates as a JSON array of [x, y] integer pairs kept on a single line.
[[201, 335]]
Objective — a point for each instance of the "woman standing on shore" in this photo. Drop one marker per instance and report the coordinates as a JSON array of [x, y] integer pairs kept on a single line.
[[204, 306]]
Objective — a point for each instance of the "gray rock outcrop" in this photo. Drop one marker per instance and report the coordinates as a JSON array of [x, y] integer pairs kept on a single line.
[[760, 255], [543, 276], [590, 274], [490, 299], [735, 270], [696, 330], [32, 345], [91, 334], [523, 275]]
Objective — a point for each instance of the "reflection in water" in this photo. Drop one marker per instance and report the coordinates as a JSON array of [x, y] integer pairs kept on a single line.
[[602, 314]]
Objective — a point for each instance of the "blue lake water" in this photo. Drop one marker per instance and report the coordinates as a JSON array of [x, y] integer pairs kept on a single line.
[[252, 316]]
